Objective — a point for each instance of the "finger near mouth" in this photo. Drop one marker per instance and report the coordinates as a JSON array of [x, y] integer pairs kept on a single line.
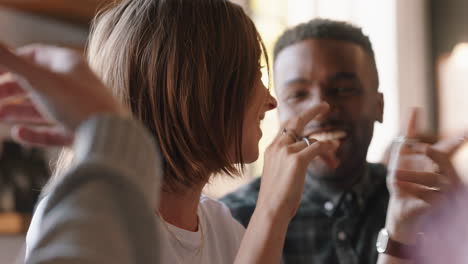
[[328, 136]]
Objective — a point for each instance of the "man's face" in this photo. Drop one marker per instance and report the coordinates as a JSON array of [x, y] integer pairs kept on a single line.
[[343, 75]]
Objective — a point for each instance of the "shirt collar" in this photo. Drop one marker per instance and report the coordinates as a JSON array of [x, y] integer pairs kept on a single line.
[[366, 185]]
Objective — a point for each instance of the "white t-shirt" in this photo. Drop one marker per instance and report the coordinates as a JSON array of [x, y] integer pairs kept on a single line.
[[222, 236]]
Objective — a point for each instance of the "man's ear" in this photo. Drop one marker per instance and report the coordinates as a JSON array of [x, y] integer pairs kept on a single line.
[[379, 108]]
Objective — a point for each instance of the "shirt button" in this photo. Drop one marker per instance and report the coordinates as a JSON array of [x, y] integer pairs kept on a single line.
[[341, 235], [328, 206]]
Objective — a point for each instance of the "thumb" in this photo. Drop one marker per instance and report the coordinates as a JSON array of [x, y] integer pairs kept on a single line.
[[451, 145]]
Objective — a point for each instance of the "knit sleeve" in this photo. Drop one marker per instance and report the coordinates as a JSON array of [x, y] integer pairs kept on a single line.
[[101, 211]]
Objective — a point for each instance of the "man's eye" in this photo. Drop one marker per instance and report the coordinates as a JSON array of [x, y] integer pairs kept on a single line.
[[343, 91], [297, 95]]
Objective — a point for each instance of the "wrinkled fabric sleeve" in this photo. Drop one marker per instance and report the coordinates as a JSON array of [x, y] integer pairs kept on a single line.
[[102, 210]]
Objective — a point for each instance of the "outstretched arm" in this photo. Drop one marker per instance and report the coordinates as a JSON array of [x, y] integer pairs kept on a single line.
[[101, 211]]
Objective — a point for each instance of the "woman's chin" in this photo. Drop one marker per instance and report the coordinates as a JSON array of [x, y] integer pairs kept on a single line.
[[251, 157]]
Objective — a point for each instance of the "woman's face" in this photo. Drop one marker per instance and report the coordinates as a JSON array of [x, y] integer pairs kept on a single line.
[[259, 104]]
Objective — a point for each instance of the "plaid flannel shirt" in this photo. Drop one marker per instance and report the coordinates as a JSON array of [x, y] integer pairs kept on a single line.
[[329, 227]]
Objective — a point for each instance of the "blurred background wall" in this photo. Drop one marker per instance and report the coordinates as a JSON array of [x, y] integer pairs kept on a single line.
[[449, 71], [419, 45]]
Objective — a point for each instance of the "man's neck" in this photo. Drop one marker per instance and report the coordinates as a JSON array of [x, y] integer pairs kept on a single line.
[[340, 181]]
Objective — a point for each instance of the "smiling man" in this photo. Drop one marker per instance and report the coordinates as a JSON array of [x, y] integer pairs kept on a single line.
[[343, 209]]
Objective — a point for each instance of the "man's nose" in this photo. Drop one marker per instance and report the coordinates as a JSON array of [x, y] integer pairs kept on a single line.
[[320, 96]]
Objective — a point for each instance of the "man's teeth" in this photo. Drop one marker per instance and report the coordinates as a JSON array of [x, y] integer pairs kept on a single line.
[[325, 136]]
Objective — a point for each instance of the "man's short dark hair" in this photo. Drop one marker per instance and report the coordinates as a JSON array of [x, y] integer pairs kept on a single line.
[[324, 29]]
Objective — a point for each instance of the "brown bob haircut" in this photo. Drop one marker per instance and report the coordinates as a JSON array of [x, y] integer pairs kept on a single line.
[[186, 69]]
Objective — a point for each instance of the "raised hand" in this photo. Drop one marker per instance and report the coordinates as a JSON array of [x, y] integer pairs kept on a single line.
[[30, 127], [451, 145], [57, 91], [284, 172], [286, 161], [420, 176]]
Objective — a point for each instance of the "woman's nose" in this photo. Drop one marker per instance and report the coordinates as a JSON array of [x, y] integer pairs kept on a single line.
[[271, 102]]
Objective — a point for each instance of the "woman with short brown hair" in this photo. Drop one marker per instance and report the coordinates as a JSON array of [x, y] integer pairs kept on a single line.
[[190, 71], [176, 64]]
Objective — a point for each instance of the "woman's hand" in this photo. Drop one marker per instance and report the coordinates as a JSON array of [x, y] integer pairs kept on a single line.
[[284, 172], [285, 166], [50, 92]]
